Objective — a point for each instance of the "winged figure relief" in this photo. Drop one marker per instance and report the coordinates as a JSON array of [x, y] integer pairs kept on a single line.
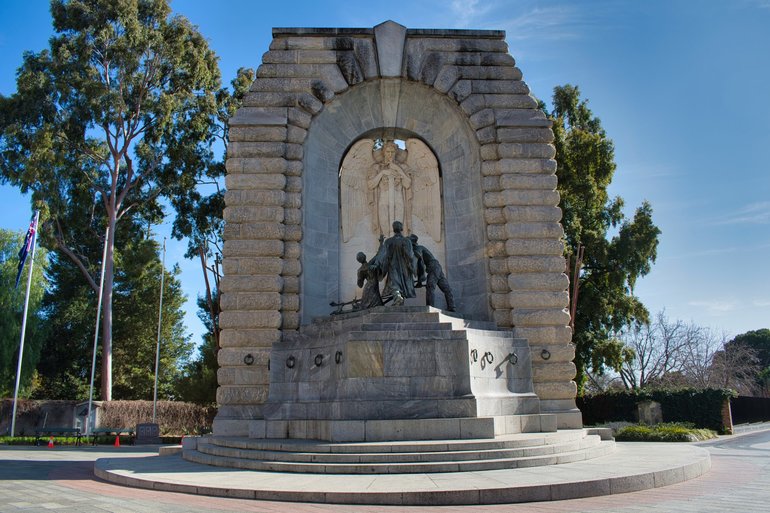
[[390, 184]]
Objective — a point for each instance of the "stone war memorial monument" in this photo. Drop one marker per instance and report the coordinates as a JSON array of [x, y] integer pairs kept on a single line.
[[394, 302], [344, 133]]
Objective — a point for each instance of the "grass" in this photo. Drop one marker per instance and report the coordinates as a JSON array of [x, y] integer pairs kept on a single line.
[[664, 432]]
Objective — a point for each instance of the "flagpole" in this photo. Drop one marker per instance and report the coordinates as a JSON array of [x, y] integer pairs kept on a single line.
[[160, 317], [89, 427], [24, 326]]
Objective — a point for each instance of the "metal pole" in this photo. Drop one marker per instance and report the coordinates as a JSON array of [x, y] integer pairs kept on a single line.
[[157, 346], [89, 427], [24, 327]]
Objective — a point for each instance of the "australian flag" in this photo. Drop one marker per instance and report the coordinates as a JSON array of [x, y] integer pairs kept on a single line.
[[29, 242]]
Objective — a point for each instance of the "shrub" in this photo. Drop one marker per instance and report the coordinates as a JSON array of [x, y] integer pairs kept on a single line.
[[173, 418], [665, 432]]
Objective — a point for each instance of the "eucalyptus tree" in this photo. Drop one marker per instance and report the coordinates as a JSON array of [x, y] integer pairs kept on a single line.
[[116, 113]]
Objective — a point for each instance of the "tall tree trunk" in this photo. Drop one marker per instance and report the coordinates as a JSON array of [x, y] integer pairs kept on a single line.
[[107, 308]]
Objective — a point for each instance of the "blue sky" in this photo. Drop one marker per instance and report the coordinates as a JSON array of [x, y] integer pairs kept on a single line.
[[682, 87]]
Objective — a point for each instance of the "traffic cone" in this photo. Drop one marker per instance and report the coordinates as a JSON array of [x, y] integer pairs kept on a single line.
[[117, 441], [50, 443]]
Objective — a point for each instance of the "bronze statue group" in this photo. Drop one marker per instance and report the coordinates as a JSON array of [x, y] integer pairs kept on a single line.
[[406, 266]]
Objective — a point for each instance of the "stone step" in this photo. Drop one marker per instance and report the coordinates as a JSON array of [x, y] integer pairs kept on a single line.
[[398, 457], [603, 448], [422, 334], [406, 326], [511, 441]]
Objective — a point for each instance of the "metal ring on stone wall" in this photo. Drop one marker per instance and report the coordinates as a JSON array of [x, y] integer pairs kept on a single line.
[[489, 357], [475, 355], [248, 359], [545, 354], [338, 356], [513, 358], [290, 362], [268, 364], [319, 360]]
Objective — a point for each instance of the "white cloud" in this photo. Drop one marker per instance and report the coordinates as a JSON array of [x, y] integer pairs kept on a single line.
[[753, 213], [716, 307], [760, 303]]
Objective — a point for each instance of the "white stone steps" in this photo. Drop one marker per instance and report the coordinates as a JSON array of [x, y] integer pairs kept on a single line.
[[518, 440], [399, 457], [601, 449], [406, 326], [420, 334]]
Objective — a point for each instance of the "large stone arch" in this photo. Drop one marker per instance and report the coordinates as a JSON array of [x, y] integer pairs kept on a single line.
[[318, 90], [419, 111]]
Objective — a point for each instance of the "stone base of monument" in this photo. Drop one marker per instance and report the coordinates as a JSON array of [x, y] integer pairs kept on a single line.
[[399, 390]]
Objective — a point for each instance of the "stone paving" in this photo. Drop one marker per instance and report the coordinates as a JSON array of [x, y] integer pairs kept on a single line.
[[39, 479]]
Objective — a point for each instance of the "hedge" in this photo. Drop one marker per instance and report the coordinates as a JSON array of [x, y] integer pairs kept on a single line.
[[173, 418], [701, 407]]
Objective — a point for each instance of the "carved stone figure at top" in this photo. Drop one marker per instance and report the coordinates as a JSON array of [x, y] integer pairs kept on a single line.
[[390, 184], [396, 260]]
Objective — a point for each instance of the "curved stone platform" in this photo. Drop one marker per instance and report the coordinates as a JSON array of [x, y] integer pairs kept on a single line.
[[405, 457], [632, 467]]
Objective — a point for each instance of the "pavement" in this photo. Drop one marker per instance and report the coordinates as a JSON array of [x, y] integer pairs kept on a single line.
[[39, 479]]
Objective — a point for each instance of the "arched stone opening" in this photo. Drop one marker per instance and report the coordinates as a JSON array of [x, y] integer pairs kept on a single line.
[[393, 109]]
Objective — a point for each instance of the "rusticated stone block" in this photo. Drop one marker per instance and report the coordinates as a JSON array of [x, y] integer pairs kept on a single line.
[[499, 284], [257, 133], [489, 72], [293, 200], [486, 135], [538, 281], [249, 337], [536, 264], [491, 184], [259, 116], [531, 213], [526, 151], [258, 265], [299, 118], [497, 232], [552, 371], [534, 230], [291, 267], [266, 231], [482, 118], [235, 356], [290, 285], [292, 250], [290, 303], [538, 299], [505, 166], [255, 283], [292, 216], [528, 181], [460, 90], [530, 197], [489, 152], [499, 301], [509, 101], [521, 118], [290, 320], [494, 216], [231, 231], [242, 394], [256, 319], [540, 317], [545, 334], [253, 214], [256, 165], [250, 375], [265, 198], [250, 301], [257, 248], [516, 247], [294, 184], [256, 150], [472, 104], [556, 390], [525, 135], [496, 249], [498, 266], [295, 134], [502, 318], [499, 87], [255, 181], [554, 352], [294, 151], [293, 233]]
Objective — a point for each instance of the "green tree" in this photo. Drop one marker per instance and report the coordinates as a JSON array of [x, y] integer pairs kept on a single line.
[[118, 112], [11, 312], [618, 250], [70, 307], [199, 381]]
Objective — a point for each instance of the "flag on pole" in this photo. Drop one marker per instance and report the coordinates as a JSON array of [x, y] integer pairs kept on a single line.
[[27, 247]]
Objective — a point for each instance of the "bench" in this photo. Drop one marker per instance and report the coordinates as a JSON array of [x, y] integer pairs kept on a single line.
[[112, 432], [57, 431]]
